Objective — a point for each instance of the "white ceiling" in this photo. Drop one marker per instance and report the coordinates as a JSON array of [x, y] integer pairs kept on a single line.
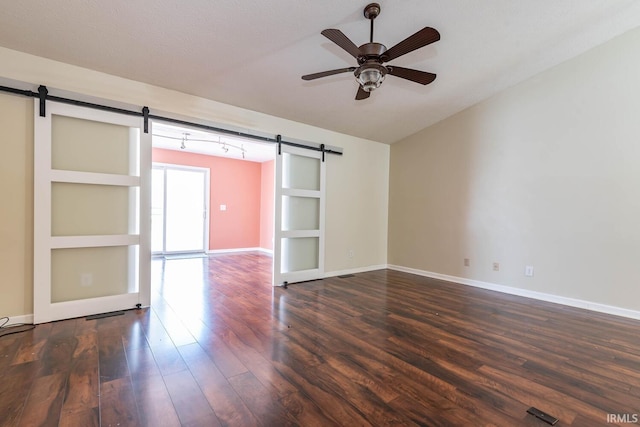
[[251, 53]]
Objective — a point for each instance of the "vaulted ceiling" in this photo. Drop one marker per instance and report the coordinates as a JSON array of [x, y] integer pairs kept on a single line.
[[251, 53]]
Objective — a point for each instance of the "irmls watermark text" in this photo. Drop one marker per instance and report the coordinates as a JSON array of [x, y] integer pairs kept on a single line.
[[623, 418]]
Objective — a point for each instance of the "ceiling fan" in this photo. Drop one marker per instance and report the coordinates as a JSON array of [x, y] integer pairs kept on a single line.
[[371, 56]]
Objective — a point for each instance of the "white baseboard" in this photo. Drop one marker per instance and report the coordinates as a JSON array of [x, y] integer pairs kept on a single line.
[[571, 302], [14, 320], [235, 250], [354, 270]]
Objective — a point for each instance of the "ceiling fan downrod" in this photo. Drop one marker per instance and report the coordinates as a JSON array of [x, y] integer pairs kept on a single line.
[[371, 12]]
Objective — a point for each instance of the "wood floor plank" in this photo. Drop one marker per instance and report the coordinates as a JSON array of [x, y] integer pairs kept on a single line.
[[28, 351], [117, 403], [305, 411], [362, 397], [142, 363], [260, 367], [223, 399], [268, 411], [86, 345], [333, 406], [168, 360], [154, 403], [9, 347], [44, 404], [83, 385], [174, 326], [223, 357], [164, 350], [420, 412], [133, 335], [85, 418], [190, 404], [112, 358], [15, 384]]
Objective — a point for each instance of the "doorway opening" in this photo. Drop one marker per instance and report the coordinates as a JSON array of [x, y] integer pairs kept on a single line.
[[233, 229], [211, 193]]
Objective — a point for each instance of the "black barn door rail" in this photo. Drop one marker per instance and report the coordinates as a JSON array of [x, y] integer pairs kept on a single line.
[[43, 95]]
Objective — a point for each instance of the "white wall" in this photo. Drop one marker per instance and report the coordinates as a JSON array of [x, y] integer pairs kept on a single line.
[[16, 206], [357, 182], [546, 174]]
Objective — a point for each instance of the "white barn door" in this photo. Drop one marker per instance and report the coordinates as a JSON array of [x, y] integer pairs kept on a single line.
[[298, 251], [91, 212]]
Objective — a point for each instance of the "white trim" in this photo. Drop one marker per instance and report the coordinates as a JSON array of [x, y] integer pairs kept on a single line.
[[571, 302], [25, 318], [95, 115], [94, 178], [90, 306], [234, 250], [144, 212], [354, 270], [296, 234], [300, 276], [41, 213], [64, 242], [294, 192], [276, 265]]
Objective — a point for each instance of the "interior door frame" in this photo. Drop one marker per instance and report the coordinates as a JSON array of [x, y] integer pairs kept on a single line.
[[44, 175], [279, 277], [206, 207]]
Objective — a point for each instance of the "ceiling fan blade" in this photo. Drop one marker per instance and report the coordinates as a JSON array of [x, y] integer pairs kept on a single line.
[[425, 36], [341, 40], [362, 94], [417, 76], [327, 73]]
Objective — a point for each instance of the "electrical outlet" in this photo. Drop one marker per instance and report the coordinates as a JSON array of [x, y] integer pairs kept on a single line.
[[528, 271], [350, 253], [496, 266], [466, 262]]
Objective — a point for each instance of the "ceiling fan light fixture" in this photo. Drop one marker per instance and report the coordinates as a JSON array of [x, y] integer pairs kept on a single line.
[[370, 76]]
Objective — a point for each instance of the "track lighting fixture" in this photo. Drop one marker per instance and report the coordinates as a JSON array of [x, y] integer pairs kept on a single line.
[[223, 144], [184, 139]]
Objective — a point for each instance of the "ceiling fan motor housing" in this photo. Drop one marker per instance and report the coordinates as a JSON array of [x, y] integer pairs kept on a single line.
[[371, 51]]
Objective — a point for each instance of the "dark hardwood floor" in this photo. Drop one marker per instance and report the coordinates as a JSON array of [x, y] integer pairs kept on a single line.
[[221, 347]]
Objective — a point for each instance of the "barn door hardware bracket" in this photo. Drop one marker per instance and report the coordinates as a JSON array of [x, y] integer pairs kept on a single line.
[[42, 94]]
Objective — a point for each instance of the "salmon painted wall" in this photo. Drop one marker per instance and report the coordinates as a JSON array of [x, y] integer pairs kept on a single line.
[[266, 206], [234, 183]]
